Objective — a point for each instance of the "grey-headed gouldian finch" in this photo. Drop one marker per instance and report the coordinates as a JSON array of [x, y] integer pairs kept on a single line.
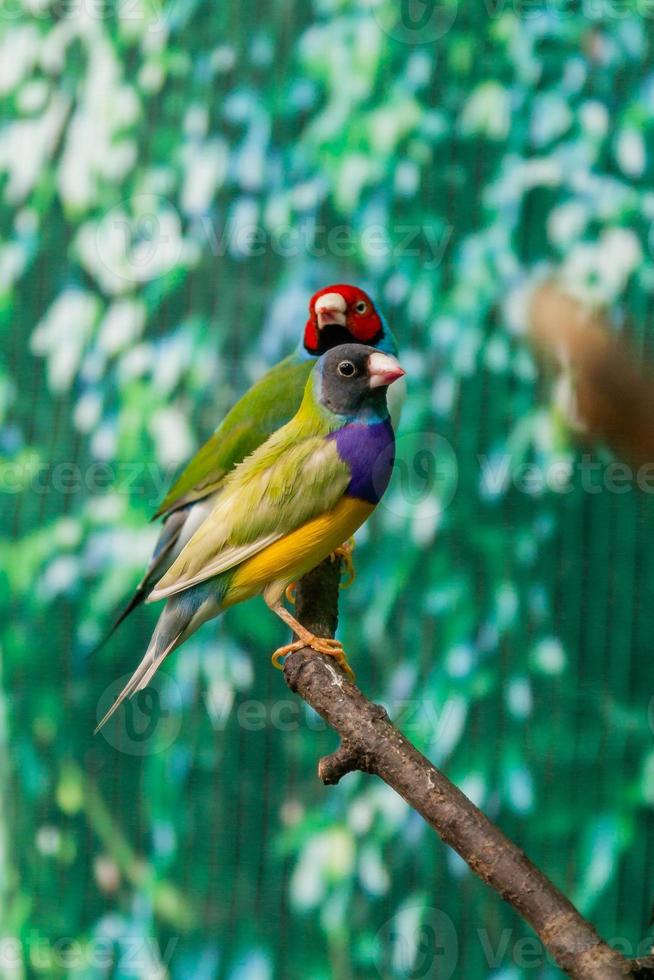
[[285, 508], [337, 314]]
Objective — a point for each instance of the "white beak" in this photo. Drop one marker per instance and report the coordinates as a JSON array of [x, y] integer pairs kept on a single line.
[[383, 370], [331, 308]]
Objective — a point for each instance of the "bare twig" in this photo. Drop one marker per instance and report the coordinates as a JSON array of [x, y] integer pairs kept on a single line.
[[371, 743]]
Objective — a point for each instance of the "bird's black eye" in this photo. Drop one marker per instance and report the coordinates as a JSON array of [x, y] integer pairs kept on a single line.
[[361, 307], [346, 369]]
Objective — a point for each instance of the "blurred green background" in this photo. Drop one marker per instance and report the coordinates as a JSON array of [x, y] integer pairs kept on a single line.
[[175, 180]]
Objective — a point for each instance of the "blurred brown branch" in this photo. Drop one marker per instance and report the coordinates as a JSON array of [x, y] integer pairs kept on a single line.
[[613, 394], [371, 743]]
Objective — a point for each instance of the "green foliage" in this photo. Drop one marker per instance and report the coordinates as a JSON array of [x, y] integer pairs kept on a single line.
[[175, 180]]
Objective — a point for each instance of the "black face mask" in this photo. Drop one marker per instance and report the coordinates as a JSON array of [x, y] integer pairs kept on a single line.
[[333, 335]]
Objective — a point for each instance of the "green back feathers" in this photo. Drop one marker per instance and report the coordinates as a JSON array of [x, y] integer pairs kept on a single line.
[[260, 412], [292, 478]]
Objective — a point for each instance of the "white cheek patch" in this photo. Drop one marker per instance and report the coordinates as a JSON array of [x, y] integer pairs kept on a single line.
[[331, 301]]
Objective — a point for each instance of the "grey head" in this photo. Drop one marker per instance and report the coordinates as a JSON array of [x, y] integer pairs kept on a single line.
[[353, 377]]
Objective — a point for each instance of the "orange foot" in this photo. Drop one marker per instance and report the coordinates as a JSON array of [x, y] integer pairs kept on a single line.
[[321, 644], [345, 554]]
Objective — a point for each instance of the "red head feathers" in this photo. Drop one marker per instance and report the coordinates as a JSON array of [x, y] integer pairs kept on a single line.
[[341, 314]]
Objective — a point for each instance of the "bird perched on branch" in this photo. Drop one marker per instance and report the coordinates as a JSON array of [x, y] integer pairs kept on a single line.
[[285, 508], [337, 314]]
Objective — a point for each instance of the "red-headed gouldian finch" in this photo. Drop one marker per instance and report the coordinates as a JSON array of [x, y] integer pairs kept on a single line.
[[287, 506], [337, 314]]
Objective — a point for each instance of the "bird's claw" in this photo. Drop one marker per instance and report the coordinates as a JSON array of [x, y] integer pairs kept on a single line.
[[344, 553], [332, 648], [321, 644], [291, 593]]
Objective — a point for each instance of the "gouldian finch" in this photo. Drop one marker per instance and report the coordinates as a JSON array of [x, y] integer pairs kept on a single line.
[[337, 314], [284, 508]]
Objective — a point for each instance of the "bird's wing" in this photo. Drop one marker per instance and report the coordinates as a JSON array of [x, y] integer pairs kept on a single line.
[[276, 490], [268, 405]]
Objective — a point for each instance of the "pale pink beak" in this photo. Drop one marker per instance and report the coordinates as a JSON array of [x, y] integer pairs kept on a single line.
[[331, 308], [383, 370]]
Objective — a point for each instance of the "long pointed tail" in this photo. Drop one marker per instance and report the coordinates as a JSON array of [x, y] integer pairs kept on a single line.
[[161, 559], [140, 595], [138, 680], [182, 615]]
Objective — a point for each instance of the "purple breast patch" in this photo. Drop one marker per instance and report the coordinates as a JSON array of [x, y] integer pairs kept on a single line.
[[369, 451]]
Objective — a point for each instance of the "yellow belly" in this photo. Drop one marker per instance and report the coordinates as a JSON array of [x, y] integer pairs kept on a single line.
[[294, 555]]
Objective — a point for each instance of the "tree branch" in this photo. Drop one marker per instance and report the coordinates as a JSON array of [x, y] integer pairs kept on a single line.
[[372, 744], [612, 388]]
